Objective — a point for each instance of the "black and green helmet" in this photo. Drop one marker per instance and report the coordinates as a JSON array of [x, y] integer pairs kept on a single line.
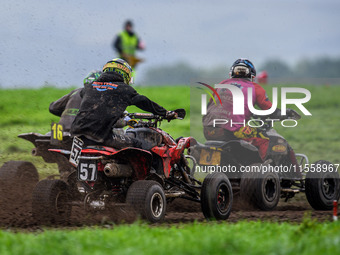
[[92, 76]]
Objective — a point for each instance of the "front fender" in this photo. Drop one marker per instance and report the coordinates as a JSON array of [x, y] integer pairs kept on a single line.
[[185, 142], [182, 144]]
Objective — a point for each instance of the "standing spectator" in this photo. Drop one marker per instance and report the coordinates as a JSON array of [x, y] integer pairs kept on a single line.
[[126, 44]]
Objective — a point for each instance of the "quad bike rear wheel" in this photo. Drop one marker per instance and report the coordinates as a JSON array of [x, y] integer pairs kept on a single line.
[[20, 174], [322, 188], [17, 181], [51, 202], [216, 196], [261, 190], [147, 198]]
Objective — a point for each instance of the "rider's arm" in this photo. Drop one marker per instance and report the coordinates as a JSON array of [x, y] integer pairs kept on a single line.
[[57, 107], [262, 99], [146, 104], [264, 103]]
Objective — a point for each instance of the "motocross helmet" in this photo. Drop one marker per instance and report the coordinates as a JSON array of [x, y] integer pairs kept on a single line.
[[121, 67], [92, 76], [242, 68]]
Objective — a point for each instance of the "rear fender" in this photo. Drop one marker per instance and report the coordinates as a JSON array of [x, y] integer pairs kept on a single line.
[[61, 151], [140, 160], [32, 137], [232, 152]]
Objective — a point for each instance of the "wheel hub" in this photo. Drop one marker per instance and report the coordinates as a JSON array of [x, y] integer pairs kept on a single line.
[[157, 205], [223, 198], [328, 187], [270, 189]]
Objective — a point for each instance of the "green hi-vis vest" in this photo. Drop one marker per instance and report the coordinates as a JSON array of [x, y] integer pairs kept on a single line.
[[129, 43]]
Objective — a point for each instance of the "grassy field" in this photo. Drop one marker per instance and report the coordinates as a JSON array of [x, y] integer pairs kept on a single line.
[[317, 136], [26, 110], [198, 238]]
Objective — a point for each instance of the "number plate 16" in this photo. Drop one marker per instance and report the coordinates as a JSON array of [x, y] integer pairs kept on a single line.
[[56, 133], [87, 170]]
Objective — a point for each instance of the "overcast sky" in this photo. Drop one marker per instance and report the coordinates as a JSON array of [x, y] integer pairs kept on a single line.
[[60, 41]]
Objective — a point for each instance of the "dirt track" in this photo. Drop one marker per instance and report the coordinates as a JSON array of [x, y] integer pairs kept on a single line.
[[18, 215]]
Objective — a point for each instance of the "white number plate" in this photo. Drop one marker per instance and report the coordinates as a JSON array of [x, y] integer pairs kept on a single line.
[[87, 170], [77, 146]]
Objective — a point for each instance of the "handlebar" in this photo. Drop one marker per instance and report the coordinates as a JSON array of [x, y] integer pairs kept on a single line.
[[291, 114], [148, 116], [180, 114], [154, 119]]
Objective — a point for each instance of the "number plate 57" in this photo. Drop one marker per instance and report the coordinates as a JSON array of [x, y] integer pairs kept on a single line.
[[87, 170]]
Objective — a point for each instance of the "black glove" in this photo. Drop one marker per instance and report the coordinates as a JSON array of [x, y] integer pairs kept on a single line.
[[277, 115], [290, 113], [170, 115], [293, 114]]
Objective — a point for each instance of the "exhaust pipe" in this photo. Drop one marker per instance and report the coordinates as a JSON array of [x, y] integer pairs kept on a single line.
[[34, 152], [117, 170]]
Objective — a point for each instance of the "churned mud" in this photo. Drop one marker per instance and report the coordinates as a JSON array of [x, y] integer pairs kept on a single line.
[[16, 213]]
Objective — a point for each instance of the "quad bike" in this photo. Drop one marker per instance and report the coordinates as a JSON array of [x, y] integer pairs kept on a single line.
[[18, 178], [42, 144], [262, 183], [144, 180]]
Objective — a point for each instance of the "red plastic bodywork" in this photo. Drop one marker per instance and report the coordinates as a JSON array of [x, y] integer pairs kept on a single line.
[[141, 160], [171, 152]]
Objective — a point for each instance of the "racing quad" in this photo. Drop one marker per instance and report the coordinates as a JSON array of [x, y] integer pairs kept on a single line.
[[142, 179], [18, 178], [42, 144], [56, 138], [261, 183]]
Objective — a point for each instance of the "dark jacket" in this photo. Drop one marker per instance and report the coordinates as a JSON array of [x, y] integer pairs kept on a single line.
[[67, 108], [104, 102]]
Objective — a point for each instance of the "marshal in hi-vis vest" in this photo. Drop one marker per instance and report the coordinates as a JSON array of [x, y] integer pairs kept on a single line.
[[129, 43]]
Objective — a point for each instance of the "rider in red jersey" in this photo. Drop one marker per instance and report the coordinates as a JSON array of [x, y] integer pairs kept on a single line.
[[242, 74]]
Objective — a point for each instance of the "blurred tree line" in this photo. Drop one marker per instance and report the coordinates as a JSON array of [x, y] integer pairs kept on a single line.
[[322, 70]]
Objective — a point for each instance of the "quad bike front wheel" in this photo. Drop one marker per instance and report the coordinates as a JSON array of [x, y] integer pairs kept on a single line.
[[216, 196], [322, 185], [51, 202], [260, 189], [147, 198]]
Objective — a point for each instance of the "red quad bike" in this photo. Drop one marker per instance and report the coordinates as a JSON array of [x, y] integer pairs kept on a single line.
[[145, 180], [262, 183]]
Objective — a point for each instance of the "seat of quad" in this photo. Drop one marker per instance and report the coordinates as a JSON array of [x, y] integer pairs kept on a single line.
[[99, 148], [220, 144]]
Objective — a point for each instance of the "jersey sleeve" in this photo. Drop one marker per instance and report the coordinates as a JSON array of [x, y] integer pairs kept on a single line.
[[57, 107], [262, 99], [146, 104]]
